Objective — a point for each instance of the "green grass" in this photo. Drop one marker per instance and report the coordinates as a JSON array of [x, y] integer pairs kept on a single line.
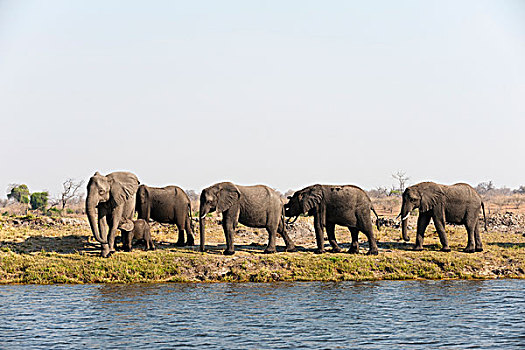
[[66, 254]]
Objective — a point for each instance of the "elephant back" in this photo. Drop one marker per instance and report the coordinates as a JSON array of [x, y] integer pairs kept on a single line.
[[169, 204]]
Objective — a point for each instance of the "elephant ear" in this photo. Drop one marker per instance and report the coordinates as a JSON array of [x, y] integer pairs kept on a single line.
[[312, 198], [123, 186], [143, 203], [431, 196], [228, 195]]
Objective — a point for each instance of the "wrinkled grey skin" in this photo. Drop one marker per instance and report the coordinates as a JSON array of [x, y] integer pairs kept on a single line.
[[332, 205], [110, 202], [456, 204], [253, 206], [140, 232], [167, 205]]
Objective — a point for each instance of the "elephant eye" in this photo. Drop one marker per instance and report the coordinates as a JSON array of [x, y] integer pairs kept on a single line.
[[101, 191]]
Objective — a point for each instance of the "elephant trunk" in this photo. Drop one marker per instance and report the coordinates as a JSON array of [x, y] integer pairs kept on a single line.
[[202, 224], [91, 212], [405, 213], [202, 227]]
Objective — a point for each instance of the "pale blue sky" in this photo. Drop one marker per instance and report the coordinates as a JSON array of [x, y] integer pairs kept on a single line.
[[286, 93]]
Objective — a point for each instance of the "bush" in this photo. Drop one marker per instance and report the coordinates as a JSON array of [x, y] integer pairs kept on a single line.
[[39, 200], [54, 212], [19, 193]]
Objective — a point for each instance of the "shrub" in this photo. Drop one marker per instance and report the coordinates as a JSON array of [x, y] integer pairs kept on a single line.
[[19, 193], [54, 212], [39, 200]]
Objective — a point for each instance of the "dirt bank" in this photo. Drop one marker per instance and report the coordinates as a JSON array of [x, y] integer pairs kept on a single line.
[[66, 253]]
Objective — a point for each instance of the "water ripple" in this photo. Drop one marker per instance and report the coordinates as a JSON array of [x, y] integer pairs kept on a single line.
[[366, 315]]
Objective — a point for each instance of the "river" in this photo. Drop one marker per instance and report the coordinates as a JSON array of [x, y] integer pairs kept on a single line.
[[367, 315]]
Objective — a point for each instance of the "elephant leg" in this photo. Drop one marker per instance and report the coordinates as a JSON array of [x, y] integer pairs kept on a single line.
[[189, 232], [103, 228], [319, 234], [330, 232], [272, 233], [477, 238], [422, 222], [180, 241], [372, 244], [439, 222], [354, 247], [127, 240], [228, 223], [115, 220], [290, 245], [149, 244], [471, 230]]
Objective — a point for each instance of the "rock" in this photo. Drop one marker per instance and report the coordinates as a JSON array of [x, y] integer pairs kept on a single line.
[[389, 222], [506, 221]]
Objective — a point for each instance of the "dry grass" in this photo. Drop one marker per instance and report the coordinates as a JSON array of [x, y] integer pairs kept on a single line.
[[68, 254]]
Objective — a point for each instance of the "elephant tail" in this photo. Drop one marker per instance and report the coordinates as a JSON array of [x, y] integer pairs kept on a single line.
[[378, 222], [484, 216]]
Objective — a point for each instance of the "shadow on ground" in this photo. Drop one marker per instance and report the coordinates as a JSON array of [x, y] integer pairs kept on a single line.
[[507, 245], [65, 244]]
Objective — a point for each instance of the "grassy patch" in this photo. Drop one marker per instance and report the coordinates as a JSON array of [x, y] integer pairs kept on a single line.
[[68, 254]]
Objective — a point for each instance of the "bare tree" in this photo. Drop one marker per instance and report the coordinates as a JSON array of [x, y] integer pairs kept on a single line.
[[192, 195], [379, 192], [402, 178], [71, 190], [289, 193]]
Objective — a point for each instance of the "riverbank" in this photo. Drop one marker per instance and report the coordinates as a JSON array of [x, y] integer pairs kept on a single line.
[[67, 253]]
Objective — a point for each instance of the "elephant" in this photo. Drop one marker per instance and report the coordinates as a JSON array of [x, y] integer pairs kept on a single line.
[[331, 205], [168, 205], [140, 232], [110, 202], [456, 204], [254, 206]]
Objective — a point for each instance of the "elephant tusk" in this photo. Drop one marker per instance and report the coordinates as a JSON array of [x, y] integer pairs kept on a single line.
[[290, 222], [202, 217], [406, 217]]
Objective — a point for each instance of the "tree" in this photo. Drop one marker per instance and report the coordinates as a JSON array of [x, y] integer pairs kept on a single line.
[[192, 195], [289, 193], [39, 200], [520, 190], [71, 190], [485, 187], [378, 192], [402, 178], [19, 193]]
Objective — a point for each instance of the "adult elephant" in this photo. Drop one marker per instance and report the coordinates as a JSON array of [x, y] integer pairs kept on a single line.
[[167, 205], [332, 205], [254, 206], [110, 202], [456, 204]]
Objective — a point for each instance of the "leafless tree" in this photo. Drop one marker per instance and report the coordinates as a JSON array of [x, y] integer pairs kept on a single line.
[[379, 192], [71, 190], [402, 178], [289, 193], [192, 195]]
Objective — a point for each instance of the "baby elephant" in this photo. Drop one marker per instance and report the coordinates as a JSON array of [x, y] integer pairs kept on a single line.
[[140, 232]]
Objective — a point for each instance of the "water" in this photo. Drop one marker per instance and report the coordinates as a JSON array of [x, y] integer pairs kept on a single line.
[[367, 315]]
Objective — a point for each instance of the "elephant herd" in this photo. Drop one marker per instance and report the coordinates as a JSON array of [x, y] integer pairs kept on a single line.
[[113, 199]]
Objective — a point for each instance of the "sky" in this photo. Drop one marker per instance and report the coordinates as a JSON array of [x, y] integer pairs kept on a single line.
[[283, 93]]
